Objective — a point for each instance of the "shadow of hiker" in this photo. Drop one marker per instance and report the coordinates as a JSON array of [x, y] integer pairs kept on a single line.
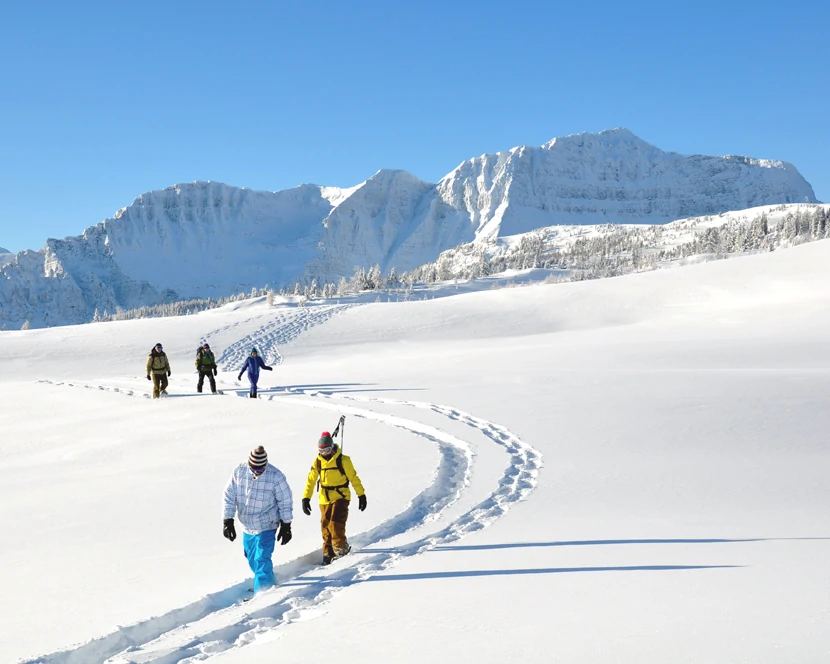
[[334, 581], [525, 545], [335, 388]]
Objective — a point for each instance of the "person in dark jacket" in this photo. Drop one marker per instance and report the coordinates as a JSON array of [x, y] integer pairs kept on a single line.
[[253, 364], [206, 366], [159, 368]]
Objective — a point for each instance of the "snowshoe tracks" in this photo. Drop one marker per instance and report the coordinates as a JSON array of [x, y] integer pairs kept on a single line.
[[221, 621]]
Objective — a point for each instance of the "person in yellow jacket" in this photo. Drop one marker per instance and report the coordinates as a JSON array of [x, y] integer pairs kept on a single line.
[[159, 368], [335, 471]]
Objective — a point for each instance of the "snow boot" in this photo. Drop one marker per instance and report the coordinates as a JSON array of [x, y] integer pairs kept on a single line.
[[339, 553]]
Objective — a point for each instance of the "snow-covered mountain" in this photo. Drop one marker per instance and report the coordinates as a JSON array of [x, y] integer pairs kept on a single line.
[[205, 239], [613, 176]]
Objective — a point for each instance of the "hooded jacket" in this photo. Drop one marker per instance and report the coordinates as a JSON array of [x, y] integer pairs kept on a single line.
[[157, 362], [260, 502], [330, 476], [253, 365]]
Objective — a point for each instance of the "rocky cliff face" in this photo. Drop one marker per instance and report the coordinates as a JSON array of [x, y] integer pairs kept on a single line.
[[611, 177], [207, 239], [5, 256]]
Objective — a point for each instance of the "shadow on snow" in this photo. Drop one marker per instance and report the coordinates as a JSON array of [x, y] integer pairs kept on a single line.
[[526, 545]]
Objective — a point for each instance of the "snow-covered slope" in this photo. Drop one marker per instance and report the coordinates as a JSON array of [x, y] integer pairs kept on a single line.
[[206, 239], [5, 256], [763, 228], [626, 470]]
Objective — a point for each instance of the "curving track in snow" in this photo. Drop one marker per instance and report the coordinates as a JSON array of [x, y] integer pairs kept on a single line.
[[220, 621]]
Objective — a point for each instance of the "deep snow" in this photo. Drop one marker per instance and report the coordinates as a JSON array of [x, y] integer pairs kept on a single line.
[[627, 470]]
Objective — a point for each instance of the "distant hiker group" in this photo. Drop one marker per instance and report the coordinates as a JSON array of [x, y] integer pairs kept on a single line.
[[259, 496], [158, 369]]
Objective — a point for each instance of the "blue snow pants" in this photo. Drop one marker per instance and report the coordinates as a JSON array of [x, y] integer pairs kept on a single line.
[[258, 550], [254, 380]]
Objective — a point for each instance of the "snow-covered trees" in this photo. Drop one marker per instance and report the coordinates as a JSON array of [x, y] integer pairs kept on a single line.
[[575, 252], [183, 307]]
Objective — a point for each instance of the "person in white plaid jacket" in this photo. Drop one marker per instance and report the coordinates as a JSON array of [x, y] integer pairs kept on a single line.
[[259, 494]]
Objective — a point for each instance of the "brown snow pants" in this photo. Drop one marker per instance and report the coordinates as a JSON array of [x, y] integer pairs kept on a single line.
[[333, 524], [159, 384]]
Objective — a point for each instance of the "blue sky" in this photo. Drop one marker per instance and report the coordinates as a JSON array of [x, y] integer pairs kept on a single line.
[[103, 101]]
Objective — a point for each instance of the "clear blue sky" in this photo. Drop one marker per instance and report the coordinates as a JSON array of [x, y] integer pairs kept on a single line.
[[102, 101]]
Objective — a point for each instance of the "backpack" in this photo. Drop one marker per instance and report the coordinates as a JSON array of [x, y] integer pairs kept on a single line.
[[327, 488], [200, 354]]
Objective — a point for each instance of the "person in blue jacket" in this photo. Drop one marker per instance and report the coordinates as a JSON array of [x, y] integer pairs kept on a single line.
[[253, 364]]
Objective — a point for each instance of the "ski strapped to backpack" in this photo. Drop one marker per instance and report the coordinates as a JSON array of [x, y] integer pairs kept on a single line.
[[340, 429]]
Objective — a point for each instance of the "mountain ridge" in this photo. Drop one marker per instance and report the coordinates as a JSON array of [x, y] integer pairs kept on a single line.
[[210, 239]]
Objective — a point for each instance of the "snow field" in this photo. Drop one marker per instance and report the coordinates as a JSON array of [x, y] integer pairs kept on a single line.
[[623, 470]]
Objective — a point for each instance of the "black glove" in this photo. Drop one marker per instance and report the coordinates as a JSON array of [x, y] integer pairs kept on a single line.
[[284, 535], [148, 377], [239, 377], [215, 371], [269, 368], [229, 530], [361, 502], [307, 506], [168, 374]]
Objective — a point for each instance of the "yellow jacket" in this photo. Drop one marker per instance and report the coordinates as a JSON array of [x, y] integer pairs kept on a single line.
[[333, 483]]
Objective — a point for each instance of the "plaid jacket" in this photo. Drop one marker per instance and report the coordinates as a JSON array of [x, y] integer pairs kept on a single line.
[[261, 502]]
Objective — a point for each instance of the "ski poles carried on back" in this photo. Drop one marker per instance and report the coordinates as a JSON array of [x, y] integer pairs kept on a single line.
[[340, 429]]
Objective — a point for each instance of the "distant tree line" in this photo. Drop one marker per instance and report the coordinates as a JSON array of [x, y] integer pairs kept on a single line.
[[622, 249], [181, 308], [614, 250]]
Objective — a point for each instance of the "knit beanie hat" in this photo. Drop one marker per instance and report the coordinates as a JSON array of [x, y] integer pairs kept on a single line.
[[258, 459], [325, 445]]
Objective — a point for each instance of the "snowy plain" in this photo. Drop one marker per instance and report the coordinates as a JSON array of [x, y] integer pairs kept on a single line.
[[620, 470]]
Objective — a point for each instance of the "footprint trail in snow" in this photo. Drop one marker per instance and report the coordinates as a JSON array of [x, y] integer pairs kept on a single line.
[[219, 622]]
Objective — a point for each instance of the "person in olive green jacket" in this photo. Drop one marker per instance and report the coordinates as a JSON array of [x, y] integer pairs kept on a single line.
[[159, 368], [206, 366], [335, 472]]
